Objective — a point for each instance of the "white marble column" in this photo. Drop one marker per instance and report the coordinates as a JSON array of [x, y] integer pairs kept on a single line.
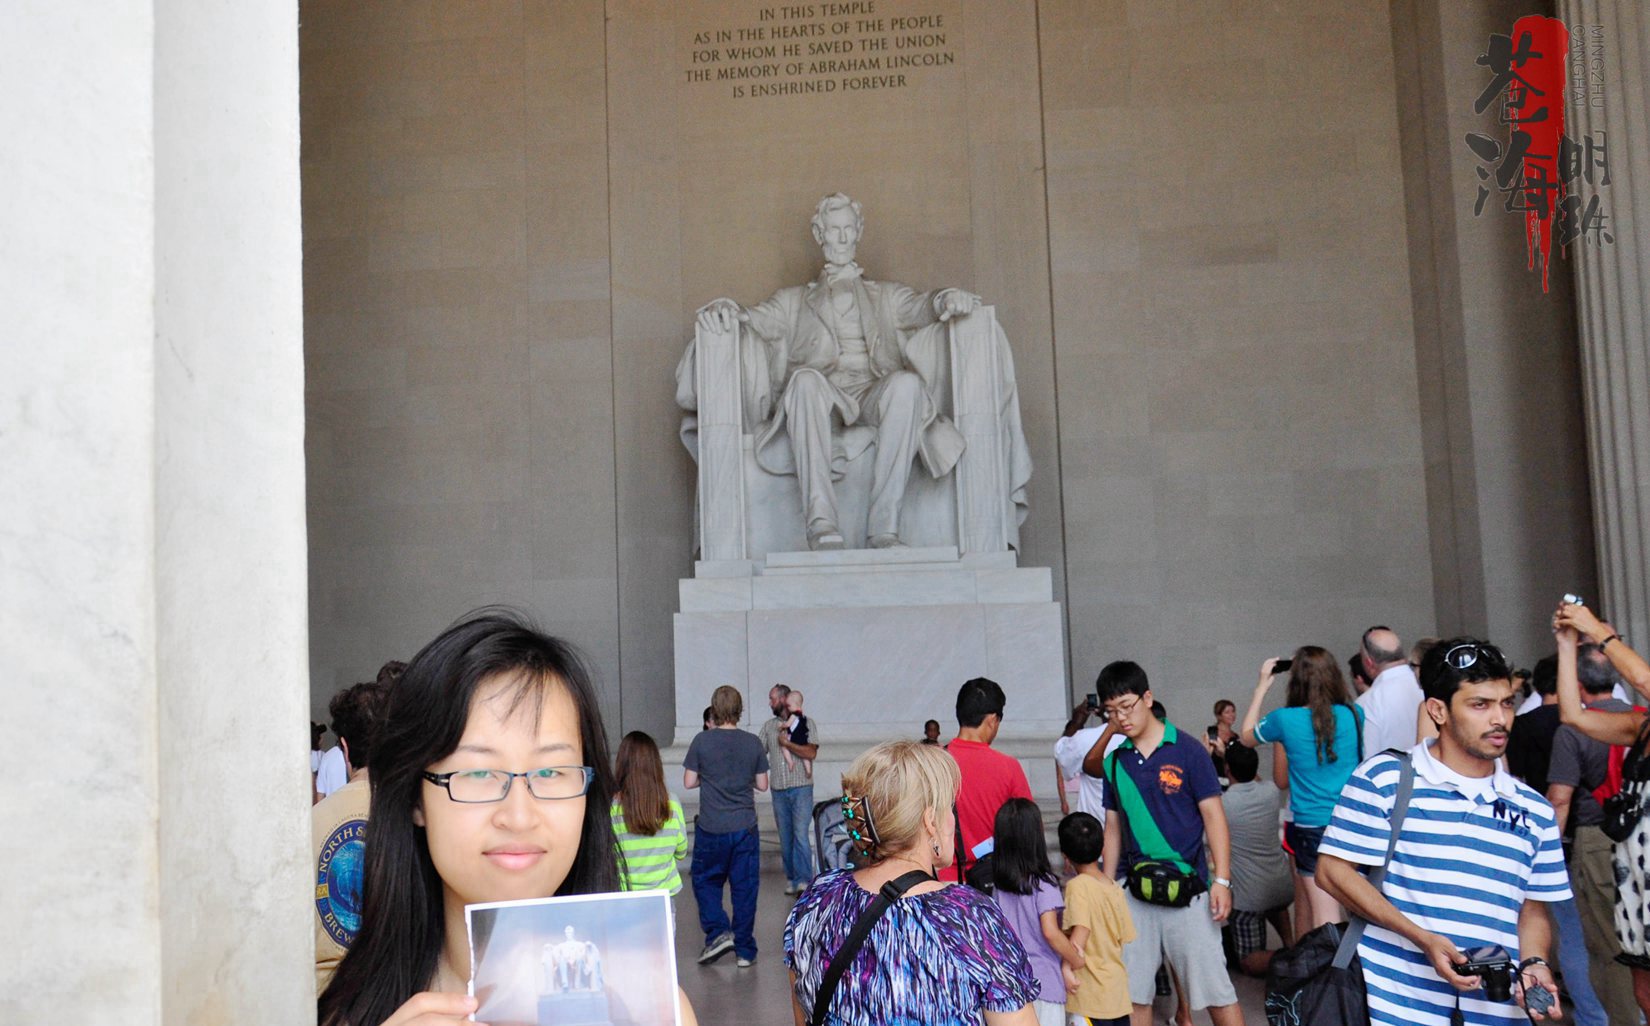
[[152, 566], [1613, 299]]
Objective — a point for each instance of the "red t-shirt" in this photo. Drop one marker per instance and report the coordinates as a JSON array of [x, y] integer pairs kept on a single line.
[[989, 779]]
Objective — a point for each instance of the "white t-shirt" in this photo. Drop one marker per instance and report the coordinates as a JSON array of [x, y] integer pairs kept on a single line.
[[1619, 693], [1391, 706], [1069, 752], [334, 771]]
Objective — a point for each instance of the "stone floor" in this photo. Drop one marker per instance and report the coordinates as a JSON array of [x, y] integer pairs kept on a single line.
[[725, 995]]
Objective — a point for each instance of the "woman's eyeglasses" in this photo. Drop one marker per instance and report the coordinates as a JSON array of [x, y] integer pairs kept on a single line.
[[549, 783]]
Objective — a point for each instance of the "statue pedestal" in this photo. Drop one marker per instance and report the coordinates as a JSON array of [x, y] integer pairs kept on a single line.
[[575, 1008], [879, 640]]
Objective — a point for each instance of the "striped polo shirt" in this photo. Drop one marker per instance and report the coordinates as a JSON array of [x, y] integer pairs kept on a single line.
[[646, 862], [1470, 852]]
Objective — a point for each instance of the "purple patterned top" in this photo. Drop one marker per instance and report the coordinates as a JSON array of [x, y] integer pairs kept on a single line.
[[938, 958]]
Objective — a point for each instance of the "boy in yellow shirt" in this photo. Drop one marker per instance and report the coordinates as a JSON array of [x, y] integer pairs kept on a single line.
[[1097, 919]]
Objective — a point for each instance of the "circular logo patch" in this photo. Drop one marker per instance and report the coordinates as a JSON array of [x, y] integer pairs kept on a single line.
[[338, 873]]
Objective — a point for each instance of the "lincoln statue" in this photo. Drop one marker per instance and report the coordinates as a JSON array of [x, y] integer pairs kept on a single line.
[[836, 354]]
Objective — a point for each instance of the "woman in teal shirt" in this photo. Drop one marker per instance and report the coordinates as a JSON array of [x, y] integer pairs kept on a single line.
[[1322, 734]]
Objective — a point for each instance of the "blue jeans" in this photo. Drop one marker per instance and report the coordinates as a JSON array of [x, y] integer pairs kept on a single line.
[[730, 858], [1572, 962], [793, 815]]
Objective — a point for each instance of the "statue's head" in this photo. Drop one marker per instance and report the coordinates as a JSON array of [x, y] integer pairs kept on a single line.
[[567, 931], [838, 225]]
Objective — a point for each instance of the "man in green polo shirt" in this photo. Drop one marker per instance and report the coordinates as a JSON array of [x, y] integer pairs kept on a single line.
[[1162, 802]]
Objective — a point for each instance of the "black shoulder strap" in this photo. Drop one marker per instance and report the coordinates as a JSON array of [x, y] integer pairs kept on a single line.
[[1636, 754], [959, 858], [890, 893], [1400, 808]]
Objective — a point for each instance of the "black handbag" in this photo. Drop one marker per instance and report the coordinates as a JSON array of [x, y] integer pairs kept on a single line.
[[1622, 812], [1319, 981], [1624, 809]]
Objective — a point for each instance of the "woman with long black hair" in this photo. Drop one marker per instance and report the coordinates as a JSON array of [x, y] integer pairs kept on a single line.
[[489, 701]]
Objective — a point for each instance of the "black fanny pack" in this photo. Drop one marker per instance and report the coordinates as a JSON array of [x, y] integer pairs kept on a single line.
[[1164, 883]]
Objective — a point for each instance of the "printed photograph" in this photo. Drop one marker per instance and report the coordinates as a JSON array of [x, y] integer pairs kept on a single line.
[[586, 960]]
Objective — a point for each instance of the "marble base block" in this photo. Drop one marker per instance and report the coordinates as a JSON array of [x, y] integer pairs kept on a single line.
[[878, 640]]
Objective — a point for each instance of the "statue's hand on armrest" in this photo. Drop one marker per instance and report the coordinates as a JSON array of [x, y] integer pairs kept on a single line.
[[721, 315], [949, 303]]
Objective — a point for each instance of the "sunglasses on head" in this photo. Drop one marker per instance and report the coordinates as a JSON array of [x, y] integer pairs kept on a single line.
[[1470, 654]]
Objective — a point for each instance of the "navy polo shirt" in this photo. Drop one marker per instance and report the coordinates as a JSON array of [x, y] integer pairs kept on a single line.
[[1168, 784]]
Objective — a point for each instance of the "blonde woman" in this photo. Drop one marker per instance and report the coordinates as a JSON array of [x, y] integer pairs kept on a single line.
[[938, 953]]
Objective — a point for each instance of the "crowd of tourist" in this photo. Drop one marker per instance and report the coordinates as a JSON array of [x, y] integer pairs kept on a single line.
[[1487, 828]]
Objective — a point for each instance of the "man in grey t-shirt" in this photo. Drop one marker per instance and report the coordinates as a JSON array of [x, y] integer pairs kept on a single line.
[[1262, 885], [1579, 764], [729, 766]]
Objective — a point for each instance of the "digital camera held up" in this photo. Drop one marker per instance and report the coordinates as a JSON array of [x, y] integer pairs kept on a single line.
[[1494, 967]]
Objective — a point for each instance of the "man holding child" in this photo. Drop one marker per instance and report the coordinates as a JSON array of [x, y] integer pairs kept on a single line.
[[790, 764]]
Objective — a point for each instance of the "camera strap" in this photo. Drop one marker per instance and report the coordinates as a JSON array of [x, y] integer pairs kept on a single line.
[[1400, 808]]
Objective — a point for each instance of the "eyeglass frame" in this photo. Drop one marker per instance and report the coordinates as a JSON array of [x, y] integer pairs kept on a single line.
[[444, 781], [1113, 714]]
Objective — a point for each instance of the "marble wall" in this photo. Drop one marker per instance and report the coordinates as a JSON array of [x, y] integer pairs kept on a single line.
[[1243, 453], [1206, 232], [152, 625], [461, 444], [1500, 382]]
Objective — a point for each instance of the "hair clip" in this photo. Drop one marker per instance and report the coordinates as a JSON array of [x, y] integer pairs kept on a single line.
[[856, 813]]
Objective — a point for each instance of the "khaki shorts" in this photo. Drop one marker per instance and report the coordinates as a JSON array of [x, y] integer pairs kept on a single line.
[[1189, 941]]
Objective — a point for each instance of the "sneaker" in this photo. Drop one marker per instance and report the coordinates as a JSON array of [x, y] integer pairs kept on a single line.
[[718, 947], [743, 962], [795, 888]]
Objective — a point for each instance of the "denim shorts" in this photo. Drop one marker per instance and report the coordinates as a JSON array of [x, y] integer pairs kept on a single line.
[[1303, 843]]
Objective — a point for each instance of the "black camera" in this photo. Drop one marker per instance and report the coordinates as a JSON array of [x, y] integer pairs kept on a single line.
[[1494, 968], [1093, 700], [1282, 666]]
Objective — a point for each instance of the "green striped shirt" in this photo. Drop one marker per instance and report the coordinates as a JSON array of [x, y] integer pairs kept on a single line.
[[646, 862]]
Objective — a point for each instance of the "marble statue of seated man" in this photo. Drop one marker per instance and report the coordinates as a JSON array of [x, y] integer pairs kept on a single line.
[[571, 964], [835, 353]]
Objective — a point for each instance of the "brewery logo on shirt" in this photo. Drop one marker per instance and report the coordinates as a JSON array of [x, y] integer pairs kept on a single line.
[[338, 872]]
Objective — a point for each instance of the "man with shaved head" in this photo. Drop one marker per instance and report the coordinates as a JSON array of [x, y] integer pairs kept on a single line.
[[1392, 702]]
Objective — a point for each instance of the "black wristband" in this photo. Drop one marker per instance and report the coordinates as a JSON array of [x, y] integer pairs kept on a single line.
[[1606, 641], [1532, 960]]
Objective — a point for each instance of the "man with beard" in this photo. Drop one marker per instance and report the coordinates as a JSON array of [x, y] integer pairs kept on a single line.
[[792, 788], [1477, 859]]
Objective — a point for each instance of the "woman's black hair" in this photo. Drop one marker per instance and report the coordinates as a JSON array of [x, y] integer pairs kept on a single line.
[[396, 951], [1019, 856]]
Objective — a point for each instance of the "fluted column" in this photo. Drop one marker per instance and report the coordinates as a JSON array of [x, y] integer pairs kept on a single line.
[[1613, 299]]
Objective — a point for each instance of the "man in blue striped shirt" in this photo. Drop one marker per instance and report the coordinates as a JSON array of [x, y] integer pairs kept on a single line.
[[1477, 859]]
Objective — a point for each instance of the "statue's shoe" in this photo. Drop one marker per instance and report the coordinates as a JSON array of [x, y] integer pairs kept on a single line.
[[887, 541], [827, 537]]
